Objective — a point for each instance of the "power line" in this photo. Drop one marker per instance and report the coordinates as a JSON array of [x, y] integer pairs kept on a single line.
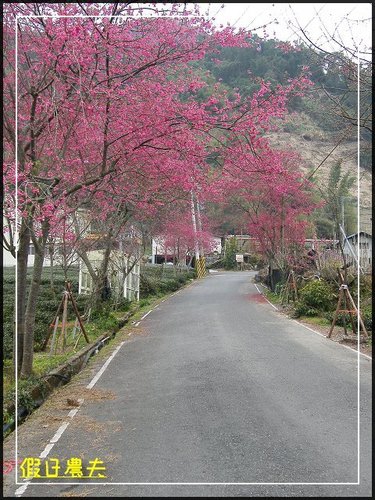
[[256, 17], [241, 16], [218, 10]]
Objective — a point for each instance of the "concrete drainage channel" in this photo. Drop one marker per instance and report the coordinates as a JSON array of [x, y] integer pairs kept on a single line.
[[62, 375]]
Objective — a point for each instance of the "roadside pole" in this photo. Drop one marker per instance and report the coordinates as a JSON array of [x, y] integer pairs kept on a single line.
[[199, 261], [202, 259]]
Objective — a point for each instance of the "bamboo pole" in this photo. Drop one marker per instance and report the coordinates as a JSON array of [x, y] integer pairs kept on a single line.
[[346, 297], [345, 293], [337, 311], [344, 311], [285, 294], [359, 316], [294, 287], [54, 335], [75, 328], [76, 311], [64, 320], [51, 326]]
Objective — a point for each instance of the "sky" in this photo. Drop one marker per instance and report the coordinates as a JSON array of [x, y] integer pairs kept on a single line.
[[350, 23]]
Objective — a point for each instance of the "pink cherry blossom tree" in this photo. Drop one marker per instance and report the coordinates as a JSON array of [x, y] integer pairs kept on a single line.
[[98, 113], [100, 110]]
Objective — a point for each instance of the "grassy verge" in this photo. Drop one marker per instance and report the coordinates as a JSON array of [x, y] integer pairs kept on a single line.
[[315, 320], [273, 297], [45, 362]]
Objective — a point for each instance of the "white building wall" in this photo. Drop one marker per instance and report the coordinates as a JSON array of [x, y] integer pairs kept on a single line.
[[10, 261], [364, 251], [131, 281], [217, 248], [158, 248]]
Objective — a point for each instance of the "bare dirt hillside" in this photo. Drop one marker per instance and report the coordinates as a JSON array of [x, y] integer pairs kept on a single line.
[[319, 148]]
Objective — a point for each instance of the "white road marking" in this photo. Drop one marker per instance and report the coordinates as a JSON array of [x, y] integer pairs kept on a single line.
[[46, 450], [308, 328], [265, 297], [103, 368], [59, 432], [322, 335], [355, 350], [21, 490], [143, 317], [73, 412], [312, 330]]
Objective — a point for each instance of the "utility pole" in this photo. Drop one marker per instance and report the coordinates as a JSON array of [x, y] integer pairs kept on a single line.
[[194, 227], [199, 261], [199, 228], [343, 212]]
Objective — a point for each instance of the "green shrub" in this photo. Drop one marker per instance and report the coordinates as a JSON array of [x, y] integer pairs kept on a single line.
[[365, 282], [168, 285], [302, 309], [229, 260], [123, 304], [366, 314], [8, 330], [144, 302], [279, 288], [8, 308], [159, 281], [24, 397], [106, 321], [148, 285], [317, 294], [315, 297], [341, 318], [153, 282], [48, 302]]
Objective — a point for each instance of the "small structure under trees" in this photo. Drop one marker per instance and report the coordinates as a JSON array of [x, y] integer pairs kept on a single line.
[[361, 244], [122, 279]]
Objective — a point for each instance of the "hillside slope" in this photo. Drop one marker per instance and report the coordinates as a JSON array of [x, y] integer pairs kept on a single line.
[[321, 148]]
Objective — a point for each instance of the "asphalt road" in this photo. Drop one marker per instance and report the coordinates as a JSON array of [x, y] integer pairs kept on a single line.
[[215, 386]]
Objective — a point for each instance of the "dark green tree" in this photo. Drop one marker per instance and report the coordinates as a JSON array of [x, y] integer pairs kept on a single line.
[[336, 194]]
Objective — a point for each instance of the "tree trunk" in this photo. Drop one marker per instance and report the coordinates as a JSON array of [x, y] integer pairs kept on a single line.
[[22, 257], [28, 344], [51, 268], [101, 281]]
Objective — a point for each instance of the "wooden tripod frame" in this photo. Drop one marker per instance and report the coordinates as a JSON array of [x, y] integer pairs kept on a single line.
[[290, 288], [67, 295], [344, 295]]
